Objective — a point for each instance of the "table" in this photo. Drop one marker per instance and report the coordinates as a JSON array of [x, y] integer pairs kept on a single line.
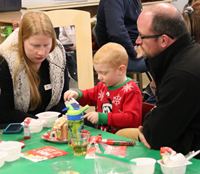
[[86, 5], [82, 165], [146, 4], [46, 5], [77, 4]]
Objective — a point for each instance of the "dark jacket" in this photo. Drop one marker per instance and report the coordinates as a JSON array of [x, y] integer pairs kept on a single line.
[[8, 113], [175, 122], [116, 22]]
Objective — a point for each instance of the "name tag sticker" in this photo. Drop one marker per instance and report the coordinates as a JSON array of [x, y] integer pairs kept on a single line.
[[47, 87]]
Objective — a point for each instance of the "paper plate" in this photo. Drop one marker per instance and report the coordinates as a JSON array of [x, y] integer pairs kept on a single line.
[[47, 137]]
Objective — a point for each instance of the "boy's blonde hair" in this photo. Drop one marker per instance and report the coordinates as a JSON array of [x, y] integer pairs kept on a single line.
[[113, 54]]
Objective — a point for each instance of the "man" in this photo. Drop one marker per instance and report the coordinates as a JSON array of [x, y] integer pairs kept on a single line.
[[173, 61], [116, 22]]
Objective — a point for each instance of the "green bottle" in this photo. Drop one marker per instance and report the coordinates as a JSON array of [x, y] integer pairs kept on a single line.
[[75, 121]]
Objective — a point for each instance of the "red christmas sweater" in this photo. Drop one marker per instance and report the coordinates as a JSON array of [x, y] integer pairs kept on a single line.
[[118, 107]]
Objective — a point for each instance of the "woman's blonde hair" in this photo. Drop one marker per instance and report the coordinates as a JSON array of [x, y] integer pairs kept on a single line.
[[191, 14], [113, 54], [31, 24]]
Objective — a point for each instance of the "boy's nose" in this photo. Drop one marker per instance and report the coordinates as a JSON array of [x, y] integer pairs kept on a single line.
[[99, 77]]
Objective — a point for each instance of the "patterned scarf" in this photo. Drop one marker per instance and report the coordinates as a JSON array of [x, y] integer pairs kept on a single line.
[[57, 63]]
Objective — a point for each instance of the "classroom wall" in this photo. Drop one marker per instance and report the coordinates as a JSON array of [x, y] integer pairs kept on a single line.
[[179, 4]]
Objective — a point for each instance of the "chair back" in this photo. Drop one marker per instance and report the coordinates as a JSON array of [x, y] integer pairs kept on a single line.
[[146, 107], [81, 20]]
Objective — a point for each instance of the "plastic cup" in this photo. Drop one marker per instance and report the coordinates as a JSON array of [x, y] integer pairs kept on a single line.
[[144, 165], [1, 133], [178, 159], [180, 169], [62, 167], [13, 148], [80, 143], [49, 117]]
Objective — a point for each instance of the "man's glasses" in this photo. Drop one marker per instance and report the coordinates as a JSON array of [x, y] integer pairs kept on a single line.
[[154, 36]]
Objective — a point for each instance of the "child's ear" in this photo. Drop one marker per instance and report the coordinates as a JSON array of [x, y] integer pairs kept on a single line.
[[122, 69]]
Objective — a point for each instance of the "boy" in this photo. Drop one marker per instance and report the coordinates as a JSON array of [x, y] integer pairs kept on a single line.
[[117, 97]]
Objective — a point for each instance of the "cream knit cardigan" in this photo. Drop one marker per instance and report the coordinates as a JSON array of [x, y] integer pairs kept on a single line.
[[57, 64]]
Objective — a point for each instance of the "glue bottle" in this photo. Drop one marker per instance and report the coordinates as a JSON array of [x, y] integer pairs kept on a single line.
[[27, 133]]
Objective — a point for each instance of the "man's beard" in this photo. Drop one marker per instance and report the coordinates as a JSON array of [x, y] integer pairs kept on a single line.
[[150, 56]]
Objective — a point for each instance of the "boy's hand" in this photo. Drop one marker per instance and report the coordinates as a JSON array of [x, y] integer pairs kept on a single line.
[[92, 117], [69, 94]]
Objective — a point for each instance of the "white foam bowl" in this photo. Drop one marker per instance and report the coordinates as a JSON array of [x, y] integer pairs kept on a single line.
[[144, 165], [49, 117], [36, 125], [2, 158], [13, 148], [181, 169]]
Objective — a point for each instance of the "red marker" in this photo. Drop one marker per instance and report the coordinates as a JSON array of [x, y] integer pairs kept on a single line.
[[118, 142], [98, 139]]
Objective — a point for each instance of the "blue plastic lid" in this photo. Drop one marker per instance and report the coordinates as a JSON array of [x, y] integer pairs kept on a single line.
[[75, 117], [65, 109]]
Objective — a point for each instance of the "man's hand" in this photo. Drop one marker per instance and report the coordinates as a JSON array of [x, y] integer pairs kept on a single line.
[[139, 51], [142, 138], [92, 117], [153, 87]]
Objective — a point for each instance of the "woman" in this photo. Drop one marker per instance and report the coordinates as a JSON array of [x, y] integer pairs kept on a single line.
[[190, 2], [191, 14], [33, 73]]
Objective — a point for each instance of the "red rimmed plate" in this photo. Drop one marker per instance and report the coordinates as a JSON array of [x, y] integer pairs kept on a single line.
[[47, 136]]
